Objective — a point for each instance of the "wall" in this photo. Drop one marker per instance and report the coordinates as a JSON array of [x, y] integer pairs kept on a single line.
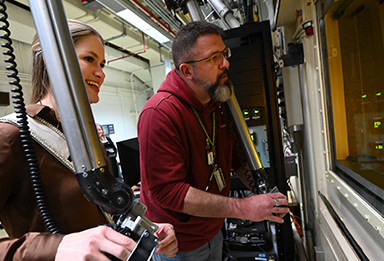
[[317, 168], [22, 53], [118, 104]]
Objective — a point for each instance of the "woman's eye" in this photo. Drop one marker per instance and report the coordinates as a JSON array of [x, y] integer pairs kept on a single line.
[[89, 59]]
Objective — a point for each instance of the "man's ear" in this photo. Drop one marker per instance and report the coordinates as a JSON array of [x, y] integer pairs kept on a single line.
[[186, 70]]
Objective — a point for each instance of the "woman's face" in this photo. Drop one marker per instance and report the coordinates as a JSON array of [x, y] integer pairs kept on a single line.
[[99, 130], [90, 53]]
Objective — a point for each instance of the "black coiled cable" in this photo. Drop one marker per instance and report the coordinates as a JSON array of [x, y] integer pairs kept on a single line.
[[21, 114]]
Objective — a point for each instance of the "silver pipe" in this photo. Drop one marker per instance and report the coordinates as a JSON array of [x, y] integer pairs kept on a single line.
[[224, 12], [68, 85], [243, 134], [158, 7], [194, 10]]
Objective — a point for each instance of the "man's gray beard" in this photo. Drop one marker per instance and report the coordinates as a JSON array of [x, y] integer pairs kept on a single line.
[[223, 92], [217, 92]]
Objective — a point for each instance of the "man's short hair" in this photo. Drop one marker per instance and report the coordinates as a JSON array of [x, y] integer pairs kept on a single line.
[[182, 47]]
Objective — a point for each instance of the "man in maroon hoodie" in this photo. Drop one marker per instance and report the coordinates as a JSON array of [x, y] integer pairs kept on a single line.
[[186, 149]]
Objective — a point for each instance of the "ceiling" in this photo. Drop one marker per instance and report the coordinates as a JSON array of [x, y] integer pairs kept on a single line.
[[122, 39]]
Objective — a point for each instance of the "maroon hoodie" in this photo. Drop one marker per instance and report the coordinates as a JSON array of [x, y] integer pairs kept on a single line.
[[173, 157]]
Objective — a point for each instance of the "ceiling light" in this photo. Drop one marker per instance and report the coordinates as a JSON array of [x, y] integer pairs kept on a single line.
[[143, 26], [125, 10]]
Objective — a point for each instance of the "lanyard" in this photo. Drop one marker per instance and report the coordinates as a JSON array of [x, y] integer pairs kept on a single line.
[[211, 152], [211, 141]]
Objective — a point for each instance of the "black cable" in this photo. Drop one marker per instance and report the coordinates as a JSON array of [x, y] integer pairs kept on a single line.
[[25, 135], [18, 4], [228, 257]]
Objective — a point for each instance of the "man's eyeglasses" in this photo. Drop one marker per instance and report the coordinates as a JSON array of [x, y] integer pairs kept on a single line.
[[215, 58]]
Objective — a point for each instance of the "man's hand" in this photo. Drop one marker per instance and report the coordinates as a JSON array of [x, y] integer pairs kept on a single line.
[[255, 208], [168, 242], [92, 244], [264, 207]]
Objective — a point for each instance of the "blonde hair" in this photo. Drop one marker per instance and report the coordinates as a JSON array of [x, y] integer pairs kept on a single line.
[[40, 83]]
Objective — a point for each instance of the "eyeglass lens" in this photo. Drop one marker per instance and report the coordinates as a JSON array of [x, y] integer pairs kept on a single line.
[[227, 53], [219, 57]]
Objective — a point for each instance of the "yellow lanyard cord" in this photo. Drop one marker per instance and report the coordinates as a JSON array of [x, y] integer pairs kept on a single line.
[[212, 142]]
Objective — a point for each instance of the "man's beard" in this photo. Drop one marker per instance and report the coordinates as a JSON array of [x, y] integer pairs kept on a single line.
[[221, 93], [216, 91]]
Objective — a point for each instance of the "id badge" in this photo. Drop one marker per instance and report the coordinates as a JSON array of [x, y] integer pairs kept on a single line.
[[210, 157], [220, 181]]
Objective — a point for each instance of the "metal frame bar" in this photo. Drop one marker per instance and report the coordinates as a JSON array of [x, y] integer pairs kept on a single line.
[[73, 105]]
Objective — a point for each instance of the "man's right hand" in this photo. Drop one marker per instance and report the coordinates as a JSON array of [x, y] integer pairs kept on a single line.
[[263, 207], [93, 244]]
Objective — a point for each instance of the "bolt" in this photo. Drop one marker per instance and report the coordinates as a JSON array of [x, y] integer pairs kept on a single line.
[[120, 200], [104, 191], [355, 205], [85, 174], [102, 170]]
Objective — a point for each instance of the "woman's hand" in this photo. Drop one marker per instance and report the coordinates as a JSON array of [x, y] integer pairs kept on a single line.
[[168, 242], [93, 244]]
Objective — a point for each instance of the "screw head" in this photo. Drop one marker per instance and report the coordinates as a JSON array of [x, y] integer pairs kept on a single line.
[[120, 200]]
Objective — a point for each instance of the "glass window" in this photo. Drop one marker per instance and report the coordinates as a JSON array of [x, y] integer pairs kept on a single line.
[[355, 51]]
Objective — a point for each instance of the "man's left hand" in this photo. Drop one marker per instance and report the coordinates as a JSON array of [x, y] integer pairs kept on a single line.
[[168, 242]]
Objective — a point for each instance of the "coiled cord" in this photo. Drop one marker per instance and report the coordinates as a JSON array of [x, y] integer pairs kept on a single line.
[[25, 135]]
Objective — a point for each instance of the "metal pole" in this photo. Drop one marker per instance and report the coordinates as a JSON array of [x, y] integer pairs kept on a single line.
[[68, 84], [225, 13], [194, 10], [243, 134]]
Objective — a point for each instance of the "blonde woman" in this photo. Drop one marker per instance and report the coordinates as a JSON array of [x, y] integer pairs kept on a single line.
[[77, 219]]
